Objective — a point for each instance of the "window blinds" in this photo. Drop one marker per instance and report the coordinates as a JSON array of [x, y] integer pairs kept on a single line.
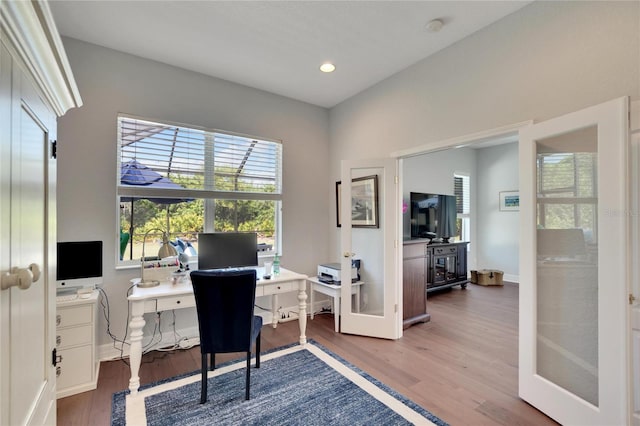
[[461, 191], [567, 175], [198, 159]]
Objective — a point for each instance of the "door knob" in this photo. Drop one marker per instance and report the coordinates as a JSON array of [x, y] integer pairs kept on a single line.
[[348, 254], [21, 277]]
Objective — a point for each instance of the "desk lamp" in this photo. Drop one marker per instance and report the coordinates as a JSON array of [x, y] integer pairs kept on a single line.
[[166, 250]]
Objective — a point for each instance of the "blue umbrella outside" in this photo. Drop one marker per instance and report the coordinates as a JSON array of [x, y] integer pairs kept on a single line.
[[135, 173]]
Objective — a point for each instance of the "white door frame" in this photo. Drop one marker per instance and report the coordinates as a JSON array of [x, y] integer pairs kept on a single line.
[[634, 291]]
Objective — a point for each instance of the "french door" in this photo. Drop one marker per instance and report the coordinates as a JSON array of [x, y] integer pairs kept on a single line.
[[369, 217], [574, 271]]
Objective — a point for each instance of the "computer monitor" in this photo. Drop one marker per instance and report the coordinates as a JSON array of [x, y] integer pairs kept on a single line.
[[219, 250], [79, 264], [561, 243]]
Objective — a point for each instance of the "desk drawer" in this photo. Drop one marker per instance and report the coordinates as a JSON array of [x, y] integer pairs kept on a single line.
[[74, 315], [276, 288], [177, 302], [73, 336]]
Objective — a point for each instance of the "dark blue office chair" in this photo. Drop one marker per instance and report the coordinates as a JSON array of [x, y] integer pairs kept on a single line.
[[224, 302]]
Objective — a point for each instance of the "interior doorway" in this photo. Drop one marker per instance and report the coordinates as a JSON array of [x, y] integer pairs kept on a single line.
[[490, 159]]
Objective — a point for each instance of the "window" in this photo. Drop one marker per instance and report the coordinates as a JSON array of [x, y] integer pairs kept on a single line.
[[185, 180], [567, 191], [463, 206]]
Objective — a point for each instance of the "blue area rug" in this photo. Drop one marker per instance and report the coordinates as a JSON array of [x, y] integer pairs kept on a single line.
[[294, 385]]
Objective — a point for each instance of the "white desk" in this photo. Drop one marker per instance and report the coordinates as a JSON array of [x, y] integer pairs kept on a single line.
[[167, 296], [333, 291]]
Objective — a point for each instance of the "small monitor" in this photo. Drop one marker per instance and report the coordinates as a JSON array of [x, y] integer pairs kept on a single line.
[[219, 250], [79, 264]]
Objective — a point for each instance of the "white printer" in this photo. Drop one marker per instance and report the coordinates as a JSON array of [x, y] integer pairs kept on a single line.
[[330, 272]]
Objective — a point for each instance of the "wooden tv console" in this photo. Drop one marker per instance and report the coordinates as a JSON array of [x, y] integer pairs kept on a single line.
[[429, 267]]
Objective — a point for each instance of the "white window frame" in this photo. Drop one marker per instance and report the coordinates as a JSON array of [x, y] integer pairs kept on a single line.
[[208, 195]]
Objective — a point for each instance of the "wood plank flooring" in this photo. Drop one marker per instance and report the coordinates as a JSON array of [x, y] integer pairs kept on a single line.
[[462, 365]]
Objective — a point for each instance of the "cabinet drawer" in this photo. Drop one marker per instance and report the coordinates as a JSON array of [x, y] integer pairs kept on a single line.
[[178, 302], [73, 336], [414, 250], [444, 250], [74, 315], [75, 368], [276, 288]]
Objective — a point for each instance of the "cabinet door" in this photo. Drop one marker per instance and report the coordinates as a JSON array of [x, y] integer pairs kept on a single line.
[[414, 295], [28, 237], [462, 262]]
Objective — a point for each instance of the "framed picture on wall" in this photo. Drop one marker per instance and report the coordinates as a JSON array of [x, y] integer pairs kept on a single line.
[[509, 201], [364, 202]]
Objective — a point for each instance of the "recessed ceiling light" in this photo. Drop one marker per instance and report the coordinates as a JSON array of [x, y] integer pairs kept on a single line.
[[434, 26], [327, 67]]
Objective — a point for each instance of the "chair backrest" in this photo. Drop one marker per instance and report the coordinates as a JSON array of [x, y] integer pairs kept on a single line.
[[225, 302]]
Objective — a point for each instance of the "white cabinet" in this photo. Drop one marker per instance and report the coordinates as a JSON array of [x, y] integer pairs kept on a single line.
[[77, 368]]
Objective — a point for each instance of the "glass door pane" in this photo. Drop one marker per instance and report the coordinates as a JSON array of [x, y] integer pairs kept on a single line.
[[567, 262], [367, 242]]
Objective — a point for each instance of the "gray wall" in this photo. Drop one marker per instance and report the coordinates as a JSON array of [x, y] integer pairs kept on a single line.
[[547, 59], [497, 232], [111, 82]]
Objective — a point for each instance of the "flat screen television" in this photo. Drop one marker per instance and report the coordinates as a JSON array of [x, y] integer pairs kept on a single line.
[[79, 264], [433, 215], [219, 250]]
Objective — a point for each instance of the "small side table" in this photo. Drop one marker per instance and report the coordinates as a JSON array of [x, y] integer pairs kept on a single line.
[[333, 290]]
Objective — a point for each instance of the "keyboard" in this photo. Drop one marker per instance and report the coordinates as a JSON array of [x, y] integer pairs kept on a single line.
[[66, 297]]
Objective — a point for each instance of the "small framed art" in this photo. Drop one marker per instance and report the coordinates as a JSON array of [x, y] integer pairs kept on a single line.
[[364, 202], [509, 201]]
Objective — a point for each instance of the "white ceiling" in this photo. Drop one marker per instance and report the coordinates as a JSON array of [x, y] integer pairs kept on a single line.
[[278, 46]]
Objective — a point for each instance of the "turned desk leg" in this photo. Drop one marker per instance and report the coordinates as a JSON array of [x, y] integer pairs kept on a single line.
[[274, 310], [302, 310], [135, 352]]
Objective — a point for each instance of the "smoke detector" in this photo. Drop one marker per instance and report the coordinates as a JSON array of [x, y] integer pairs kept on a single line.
[[434, 26]]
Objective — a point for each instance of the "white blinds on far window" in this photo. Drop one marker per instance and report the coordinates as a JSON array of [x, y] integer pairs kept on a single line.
[[461, 191], [200, 160]]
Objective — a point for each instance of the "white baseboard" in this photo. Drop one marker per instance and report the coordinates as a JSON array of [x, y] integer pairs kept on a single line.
[[511, 278]]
